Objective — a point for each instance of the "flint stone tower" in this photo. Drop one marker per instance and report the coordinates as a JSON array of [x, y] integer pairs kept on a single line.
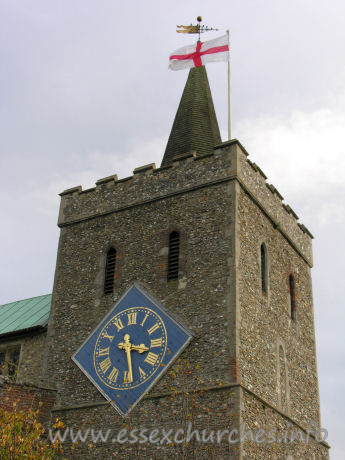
[[243, 288]]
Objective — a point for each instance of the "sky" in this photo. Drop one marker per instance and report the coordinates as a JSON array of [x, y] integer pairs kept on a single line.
[[86, 92]]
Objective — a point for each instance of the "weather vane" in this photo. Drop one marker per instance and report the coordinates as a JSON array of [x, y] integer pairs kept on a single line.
[[194, 29]]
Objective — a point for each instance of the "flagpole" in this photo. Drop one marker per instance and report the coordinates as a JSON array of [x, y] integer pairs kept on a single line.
[[229, 93]]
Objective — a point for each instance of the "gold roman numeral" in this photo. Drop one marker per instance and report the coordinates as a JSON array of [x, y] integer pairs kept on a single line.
[[156, 343], [104, 365], [103, 351], [118, 324], [113, 375], [143, 321], [153, 329], [106, 336], [151, 358], [126, 378], [132, 318], [142, 374]]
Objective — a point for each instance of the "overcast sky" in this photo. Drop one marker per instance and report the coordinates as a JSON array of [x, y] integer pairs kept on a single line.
[[86, 92]]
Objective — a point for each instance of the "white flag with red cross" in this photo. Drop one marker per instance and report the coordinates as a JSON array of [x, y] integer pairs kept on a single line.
[[200, 53]]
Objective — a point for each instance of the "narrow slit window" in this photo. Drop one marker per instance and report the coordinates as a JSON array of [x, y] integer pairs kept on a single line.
[[292, 297], [173, 258], [110, 271], [264, 273]]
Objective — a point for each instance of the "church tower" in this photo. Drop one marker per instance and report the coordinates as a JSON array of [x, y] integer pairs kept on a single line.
[[208, 237]]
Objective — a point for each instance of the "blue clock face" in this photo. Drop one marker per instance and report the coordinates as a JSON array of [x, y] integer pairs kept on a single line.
[[135, 338], [131, 348]]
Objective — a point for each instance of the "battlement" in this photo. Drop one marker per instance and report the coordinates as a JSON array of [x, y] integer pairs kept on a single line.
[[268, 198], [229, 161]]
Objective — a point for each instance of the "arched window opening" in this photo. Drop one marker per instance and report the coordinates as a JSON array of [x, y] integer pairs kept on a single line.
[[292, 297], [264, 271], [173, 258], [110, 271], [9, 361]]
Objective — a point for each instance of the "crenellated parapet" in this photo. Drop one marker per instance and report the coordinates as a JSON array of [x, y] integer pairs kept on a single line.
[[254, 182], [187, 172], [147, 184]]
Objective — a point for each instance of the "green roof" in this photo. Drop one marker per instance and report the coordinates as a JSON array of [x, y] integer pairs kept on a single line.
[[24, 314], [195, 127]]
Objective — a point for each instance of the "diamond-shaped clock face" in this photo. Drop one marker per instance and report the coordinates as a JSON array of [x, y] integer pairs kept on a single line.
[[131, 348]]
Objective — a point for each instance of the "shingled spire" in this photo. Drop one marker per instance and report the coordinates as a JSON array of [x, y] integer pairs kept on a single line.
[[195, 126]]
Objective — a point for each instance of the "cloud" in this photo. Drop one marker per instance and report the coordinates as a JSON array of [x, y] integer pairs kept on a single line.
[[41, 199], [30, 202], [304, 153]]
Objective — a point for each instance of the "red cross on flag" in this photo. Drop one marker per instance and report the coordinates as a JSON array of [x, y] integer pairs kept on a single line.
[[200, 53]]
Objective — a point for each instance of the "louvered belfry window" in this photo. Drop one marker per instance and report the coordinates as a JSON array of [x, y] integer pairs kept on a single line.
[[110, 271], [173, 258]]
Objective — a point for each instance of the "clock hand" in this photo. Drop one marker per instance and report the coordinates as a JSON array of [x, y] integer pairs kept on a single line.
[[140, 348], [126, 345]]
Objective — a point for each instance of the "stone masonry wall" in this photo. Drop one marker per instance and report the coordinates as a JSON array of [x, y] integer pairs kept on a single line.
[[223, 209], [214, 411], [270, 201], [265, 318], [31, 356], [30, 368], [276, 354], [287, 444], [136, 226]]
